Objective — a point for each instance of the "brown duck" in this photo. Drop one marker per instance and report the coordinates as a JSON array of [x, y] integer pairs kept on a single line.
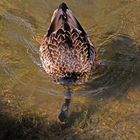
[[66, 52]]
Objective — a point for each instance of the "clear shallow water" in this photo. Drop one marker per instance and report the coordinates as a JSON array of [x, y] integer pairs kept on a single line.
[[114, 27]]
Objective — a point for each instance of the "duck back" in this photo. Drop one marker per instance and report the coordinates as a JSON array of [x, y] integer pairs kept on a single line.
[[66, 52]]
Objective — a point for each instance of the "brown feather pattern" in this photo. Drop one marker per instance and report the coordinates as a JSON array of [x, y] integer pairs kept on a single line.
[[68, 55]]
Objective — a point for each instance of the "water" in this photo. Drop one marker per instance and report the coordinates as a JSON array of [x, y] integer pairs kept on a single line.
[[113, 26]]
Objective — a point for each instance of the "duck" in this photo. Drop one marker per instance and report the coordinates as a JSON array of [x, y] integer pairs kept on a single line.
[[66, 52]]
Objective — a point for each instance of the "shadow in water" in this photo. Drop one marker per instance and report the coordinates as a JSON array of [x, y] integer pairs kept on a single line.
[[31, 126], [122, 55]]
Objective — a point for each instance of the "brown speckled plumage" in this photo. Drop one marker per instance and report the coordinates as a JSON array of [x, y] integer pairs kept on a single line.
[[66, 52]]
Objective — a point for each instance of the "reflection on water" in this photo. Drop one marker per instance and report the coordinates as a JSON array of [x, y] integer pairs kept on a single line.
[[114, 27]]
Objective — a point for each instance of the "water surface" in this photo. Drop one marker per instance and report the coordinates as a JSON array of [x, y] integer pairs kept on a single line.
[[113, 26]]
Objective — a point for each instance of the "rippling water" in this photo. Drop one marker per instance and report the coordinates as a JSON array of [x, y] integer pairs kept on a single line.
[[113, 26]]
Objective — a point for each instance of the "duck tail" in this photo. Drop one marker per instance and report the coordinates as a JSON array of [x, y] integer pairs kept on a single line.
[[63, 6], [63, 18]]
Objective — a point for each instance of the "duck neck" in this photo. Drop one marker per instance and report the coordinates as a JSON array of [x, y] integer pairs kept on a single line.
[[68, 95], [65, 107]]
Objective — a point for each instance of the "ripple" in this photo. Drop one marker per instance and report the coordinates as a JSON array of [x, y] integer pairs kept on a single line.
[[20, 21]]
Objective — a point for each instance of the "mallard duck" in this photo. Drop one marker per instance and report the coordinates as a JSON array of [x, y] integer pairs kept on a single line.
[[66, 52]]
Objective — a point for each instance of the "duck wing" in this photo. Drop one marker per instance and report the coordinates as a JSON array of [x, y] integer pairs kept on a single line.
[[67, 52]]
